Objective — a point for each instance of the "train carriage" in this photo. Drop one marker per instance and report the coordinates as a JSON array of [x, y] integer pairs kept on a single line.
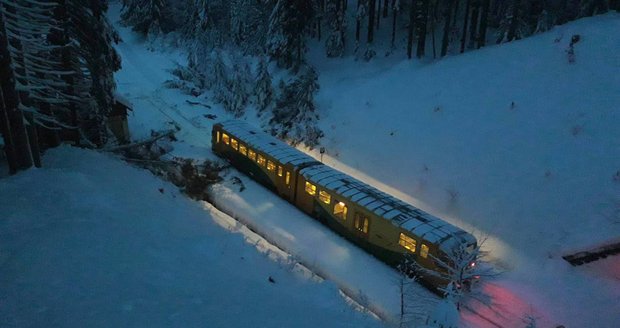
[[385, 226]]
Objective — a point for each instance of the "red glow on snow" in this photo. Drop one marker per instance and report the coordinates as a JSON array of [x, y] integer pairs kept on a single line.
[[504, 308]]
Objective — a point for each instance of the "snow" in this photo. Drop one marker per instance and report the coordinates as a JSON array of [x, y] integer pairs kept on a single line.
[[510, 142], [535, 177], [117, 247]]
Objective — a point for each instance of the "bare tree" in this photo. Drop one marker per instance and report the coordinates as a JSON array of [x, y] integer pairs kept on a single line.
[[460, 267], [413, 305]]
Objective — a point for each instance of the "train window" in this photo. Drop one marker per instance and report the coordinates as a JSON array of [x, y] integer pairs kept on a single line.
[[271, 166], [225, 138], [407, 242], [288, 177], [310, 188], [424, 251], [217, 140], [243, 150], [325, 197], [280, 171], [260, 160], [340, 210], [251, 154], [234, 144], [361, 223]]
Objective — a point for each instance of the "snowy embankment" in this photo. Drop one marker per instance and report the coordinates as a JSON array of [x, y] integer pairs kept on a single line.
[[449, 135], [512, 142], [89, 241]]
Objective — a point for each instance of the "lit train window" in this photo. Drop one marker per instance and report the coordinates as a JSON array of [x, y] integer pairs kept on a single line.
[[340, 210], [280, 171], [310, 188], [424, 251], [234, 144], [271, 166], [225, 138], [243, 150], [260, 160], [251, 154], [407, 242], [288, 177], [361, 223], [217, 137], [325, 197]]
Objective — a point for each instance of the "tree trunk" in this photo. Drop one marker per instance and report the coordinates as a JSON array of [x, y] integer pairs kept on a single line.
[[456, 11], [378, 12], [410, 28], [394, 16], [7, 136], [386, 5], [447, 27], [422, 24], [372, 4], [465, 22], [433, 23], [66, 57], [358, 22], [514, 22], [473, 28], [318, 23], [33, 137], [484, 19]]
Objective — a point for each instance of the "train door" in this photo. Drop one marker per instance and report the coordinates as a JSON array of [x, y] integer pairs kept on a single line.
[[286, 185], [361, 225]]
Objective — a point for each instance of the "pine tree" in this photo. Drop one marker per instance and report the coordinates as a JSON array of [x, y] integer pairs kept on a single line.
[[263, 90], [422, 7], [513, 25], [237, 94], [294, 117], [411, 28], [473, 27], [448, 16], [195, 23], [465, 24], [17, 145], [218, 79], [288, 23], [335, 16], [484, 19], [395, 12], [95, 38], [145, 16]]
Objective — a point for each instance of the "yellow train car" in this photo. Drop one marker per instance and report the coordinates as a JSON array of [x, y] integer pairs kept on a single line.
[[383, 225]]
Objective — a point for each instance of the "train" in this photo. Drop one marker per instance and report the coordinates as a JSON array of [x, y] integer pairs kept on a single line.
[[386, 227]]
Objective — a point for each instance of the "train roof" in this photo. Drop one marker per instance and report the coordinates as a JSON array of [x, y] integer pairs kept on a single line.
[[406, 216], [267, 144]]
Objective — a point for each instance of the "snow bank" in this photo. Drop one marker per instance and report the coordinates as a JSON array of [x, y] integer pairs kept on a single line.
[[511, 142], [89, 241]]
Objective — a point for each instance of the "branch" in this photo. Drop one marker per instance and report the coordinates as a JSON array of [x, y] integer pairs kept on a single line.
[[159, 135]]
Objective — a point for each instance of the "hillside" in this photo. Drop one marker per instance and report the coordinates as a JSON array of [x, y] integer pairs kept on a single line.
[[536, 177], [121, 248], [512, 142]]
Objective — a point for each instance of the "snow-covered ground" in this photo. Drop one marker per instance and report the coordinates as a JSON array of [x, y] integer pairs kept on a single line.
[[511, 142], [109, 245]]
